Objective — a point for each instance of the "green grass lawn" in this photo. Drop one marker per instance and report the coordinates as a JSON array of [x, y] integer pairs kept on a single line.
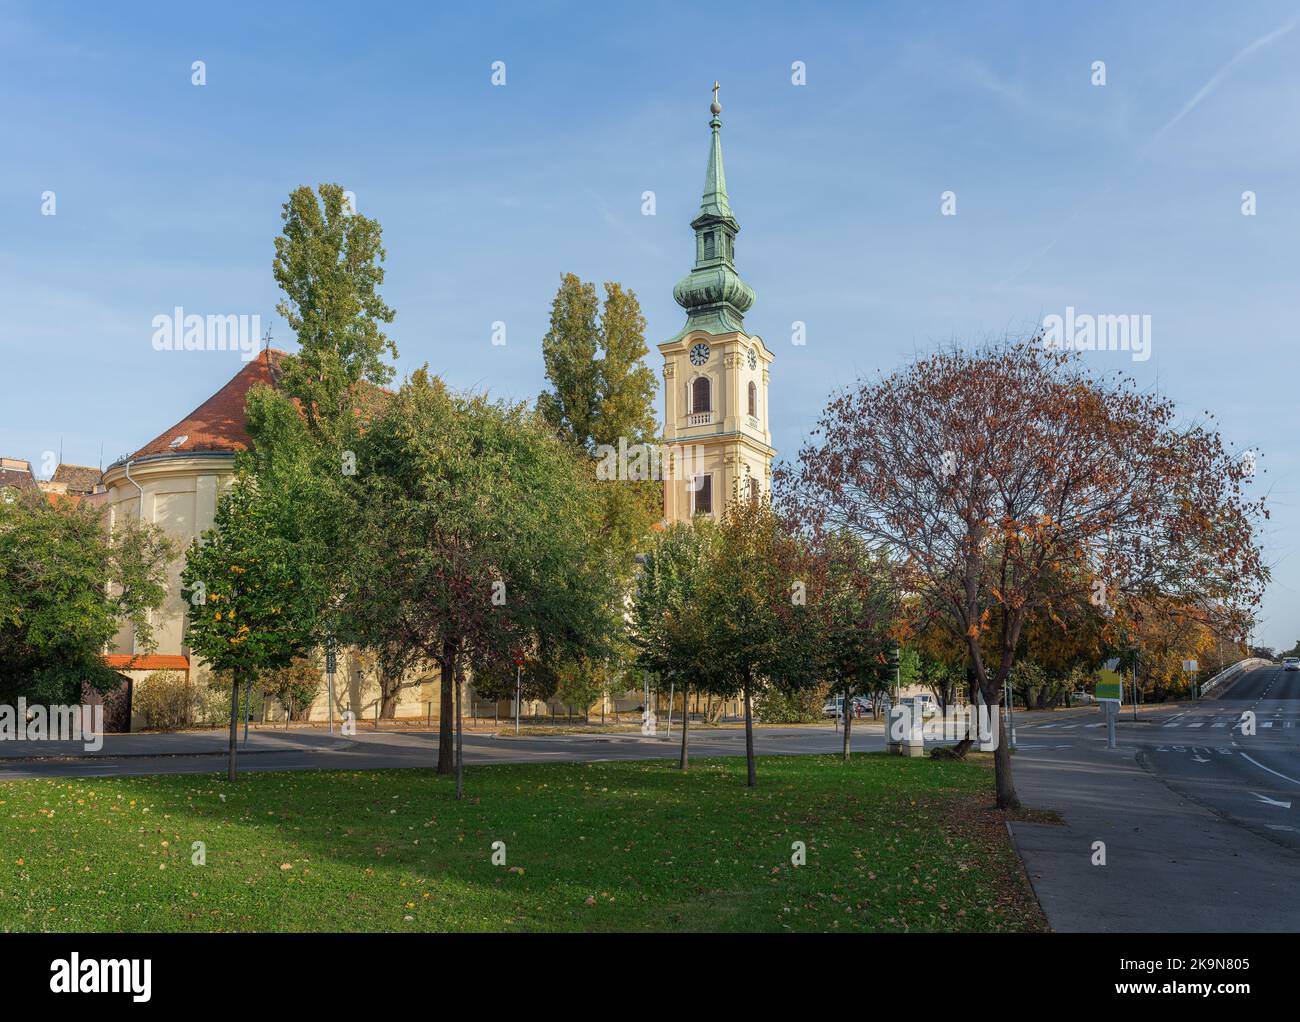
[[892, 844]]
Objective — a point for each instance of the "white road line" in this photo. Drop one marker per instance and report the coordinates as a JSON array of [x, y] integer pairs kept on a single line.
[[1271, 770], [1198, 724]]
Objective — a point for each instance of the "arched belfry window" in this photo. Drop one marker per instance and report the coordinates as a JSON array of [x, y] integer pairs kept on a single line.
[[701, 395], [753, 398]]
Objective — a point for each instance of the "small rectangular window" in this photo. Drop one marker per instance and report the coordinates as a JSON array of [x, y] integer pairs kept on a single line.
[[708, 245], [702, 497]]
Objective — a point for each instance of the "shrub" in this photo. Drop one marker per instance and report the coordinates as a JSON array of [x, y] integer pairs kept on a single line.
[[166, 700], [772, 706], [300, 681]]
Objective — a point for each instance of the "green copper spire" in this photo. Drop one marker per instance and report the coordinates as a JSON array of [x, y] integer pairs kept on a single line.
[[715, 201], [713, 295]]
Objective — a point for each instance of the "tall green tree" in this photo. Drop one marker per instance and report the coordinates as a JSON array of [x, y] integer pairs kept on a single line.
[[626, 383], [66, 587], [329, 263], [570, 352], [601, 398]]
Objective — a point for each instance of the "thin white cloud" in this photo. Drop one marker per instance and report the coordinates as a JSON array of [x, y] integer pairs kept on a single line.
[[1218, 77], [1188, 107]]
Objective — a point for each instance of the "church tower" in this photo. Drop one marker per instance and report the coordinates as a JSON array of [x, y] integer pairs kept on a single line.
[[715, 375]]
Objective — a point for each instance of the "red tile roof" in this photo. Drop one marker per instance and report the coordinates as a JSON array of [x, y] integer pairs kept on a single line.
[[217, 425], [146, 662]]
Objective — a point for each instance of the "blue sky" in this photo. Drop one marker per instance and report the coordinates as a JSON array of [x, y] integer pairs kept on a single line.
[[1124, 198]]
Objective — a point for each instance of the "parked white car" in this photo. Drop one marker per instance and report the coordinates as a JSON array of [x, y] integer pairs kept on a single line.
[[835, 707], [925, 704], [1291, 663]]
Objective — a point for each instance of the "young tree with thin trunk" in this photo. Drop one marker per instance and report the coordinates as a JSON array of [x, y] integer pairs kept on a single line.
[[755, 608], [254, 598], [667, 627], [855, 607], [987, 473]]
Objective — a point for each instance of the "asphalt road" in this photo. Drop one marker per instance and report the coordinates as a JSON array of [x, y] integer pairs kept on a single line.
[[297, 750], [1205, 751], [1209, 753]]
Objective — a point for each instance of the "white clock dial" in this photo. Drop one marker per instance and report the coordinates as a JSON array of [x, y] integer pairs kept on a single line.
[[753, 359], [699, 354]]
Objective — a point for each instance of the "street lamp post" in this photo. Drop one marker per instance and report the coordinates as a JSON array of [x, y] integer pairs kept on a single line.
[[1008, 698], [331, 664], [1135, 681], [519, 688]]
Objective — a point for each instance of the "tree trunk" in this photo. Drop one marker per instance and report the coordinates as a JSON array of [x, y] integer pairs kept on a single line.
[[848, 725], [1006, 785], [684, 760], [1003, 779], [234, 725], [749, 740], [388, 689], [460, 749], [446, 731]]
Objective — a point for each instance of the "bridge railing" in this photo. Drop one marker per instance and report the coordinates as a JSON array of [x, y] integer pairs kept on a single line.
[[1230, 673]]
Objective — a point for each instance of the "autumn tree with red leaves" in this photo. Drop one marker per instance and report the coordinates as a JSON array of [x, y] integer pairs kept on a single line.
[[993, 475]]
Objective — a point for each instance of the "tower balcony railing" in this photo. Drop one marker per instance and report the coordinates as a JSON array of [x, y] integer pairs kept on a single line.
[[699, 419]]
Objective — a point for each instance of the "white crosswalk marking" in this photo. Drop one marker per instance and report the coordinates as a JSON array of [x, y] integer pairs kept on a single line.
[[1267, 723], [1197, 724]]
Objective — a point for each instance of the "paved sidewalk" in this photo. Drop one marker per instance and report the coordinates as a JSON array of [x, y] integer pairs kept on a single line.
[[1171, 866]]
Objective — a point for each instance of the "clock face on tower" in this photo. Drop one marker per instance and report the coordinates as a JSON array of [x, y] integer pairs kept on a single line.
[[753, 359], [699, 354]]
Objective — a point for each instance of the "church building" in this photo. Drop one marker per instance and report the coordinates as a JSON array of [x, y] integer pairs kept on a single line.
[[715, 432], [715, 374]]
